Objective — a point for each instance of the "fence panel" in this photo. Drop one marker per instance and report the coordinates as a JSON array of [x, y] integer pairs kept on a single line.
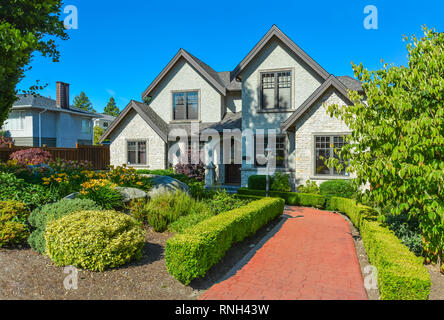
[[98, 155]]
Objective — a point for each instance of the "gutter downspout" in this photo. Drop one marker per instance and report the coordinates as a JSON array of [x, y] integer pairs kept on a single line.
[[40, 126]]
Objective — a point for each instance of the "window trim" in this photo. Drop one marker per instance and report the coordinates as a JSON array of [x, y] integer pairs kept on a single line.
[[286, 144], [146, 151], [198, 105], [330, 175], [292, 76]]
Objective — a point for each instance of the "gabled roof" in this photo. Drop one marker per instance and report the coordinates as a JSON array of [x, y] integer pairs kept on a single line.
[[351, 83], [230, 82], [205, 70], [147, 114], [332, 81], [276, 32]]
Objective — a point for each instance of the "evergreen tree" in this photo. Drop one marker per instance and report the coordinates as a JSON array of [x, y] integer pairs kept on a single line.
[[111, 108], [82, 101]]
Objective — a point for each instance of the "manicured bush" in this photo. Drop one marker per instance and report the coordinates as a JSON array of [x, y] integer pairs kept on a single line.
[[32, 156], [40, 217], [407, 230], [94, 240], [336, 188], [12, 233], [401, 275], [355, 211], [291, 198], [280, 182], [258, 182], [192, 253], [190, 220], [13, 228], [103, 192]]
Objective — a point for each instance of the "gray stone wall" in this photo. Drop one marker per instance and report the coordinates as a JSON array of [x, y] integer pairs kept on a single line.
[[133, 127]]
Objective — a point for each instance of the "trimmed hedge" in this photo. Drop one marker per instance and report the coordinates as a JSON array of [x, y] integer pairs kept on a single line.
[[401, 275], [258, 182], [291, 198], [355, 211], [336, 188], [191, 254]]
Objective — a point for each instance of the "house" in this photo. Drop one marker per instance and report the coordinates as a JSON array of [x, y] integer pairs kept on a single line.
[[277, 92], [103, 120], [37, 121]]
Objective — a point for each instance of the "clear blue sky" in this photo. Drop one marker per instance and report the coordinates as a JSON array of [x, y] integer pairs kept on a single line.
[[121, 46]]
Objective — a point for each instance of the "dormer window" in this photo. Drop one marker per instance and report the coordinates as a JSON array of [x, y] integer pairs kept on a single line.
[[186, 105], [276, 90]]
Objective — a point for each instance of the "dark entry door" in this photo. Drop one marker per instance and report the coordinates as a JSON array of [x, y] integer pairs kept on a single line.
[[232, 170]]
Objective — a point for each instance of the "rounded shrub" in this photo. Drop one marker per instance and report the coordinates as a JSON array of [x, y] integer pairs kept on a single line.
[[40, 217], [94, 240], [13, 228], [336, 188]]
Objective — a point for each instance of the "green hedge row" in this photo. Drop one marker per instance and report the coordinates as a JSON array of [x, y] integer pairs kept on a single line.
[[401, 275], [291, 198], [355, 211], [192, 253]]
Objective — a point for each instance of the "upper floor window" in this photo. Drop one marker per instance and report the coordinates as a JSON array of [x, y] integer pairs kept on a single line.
[[105, 124], [276, 90], [86, 126], [15, 121], [186, 105], [324, 149]]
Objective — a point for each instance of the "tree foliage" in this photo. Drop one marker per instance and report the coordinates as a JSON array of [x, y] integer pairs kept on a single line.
[[397, 144], [26, 27], [111, 108], [82, 101], [98, 131]]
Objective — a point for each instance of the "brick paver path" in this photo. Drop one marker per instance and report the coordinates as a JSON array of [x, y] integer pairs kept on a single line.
[[312, 256]]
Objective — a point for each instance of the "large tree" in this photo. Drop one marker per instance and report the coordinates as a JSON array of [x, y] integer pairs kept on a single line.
[[397, 144], [26, 27], [82, 101], [111, 108]]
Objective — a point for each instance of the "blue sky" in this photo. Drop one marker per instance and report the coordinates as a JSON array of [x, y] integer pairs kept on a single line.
[[120, 47]]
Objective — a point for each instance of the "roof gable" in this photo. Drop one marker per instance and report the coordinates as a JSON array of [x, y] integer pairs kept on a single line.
[[205, 70], [276, 32], [332, 81], [147, 114]]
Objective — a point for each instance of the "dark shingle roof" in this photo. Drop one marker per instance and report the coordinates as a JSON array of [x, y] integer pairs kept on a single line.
[[351, 83], [230, 83], [207, 68], [151, 114], [230, 121], [43, 102]]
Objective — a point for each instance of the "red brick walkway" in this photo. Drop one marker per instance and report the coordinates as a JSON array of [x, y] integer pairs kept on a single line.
[[312, 256]]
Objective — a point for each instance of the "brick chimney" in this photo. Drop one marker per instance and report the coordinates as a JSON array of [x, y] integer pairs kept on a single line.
[[62, 95]]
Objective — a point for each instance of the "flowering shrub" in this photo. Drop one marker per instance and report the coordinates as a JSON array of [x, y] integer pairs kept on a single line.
[[103, 192], [69, 166], [193, 171], [126, 177], [31, 156]]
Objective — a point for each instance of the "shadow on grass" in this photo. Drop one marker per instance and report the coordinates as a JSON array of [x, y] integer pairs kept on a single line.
[[240, 254]]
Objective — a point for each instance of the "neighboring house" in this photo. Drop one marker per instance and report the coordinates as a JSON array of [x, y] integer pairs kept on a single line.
[[103, 120], [276, 86], [38, 121]]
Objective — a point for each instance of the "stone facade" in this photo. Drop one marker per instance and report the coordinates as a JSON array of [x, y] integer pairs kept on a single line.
[[134, 128]]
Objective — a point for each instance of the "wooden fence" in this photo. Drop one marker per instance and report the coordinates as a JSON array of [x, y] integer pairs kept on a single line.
[[98, 155]]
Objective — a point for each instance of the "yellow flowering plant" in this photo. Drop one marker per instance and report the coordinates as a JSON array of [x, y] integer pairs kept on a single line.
[[103, 192]]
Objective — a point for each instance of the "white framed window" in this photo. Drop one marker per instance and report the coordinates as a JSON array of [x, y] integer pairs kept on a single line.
[[86, 126], [16, 121], [324, 149]]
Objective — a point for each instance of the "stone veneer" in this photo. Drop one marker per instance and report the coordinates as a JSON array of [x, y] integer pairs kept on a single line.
[[134, 128]]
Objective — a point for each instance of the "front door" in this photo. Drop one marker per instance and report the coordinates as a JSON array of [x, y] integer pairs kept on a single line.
[[232, 170]]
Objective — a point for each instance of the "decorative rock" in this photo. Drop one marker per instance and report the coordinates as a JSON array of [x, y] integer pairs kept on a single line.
[[71, 196], [164, 184], [130, 194]]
